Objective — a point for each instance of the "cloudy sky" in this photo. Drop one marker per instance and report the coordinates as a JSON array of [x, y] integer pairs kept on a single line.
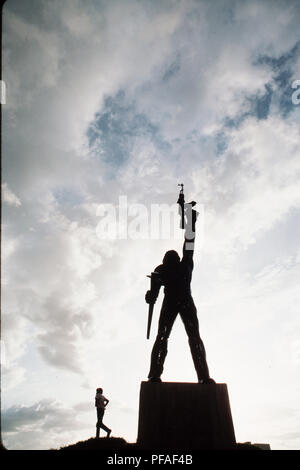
[[110, 98]]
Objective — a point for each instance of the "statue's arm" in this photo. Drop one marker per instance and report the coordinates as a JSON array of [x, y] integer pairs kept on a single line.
[[188, 253], [188, 247], [189, 236]]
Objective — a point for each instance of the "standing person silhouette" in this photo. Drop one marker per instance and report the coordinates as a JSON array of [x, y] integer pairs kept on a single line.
[[176, 275], [100, 404]]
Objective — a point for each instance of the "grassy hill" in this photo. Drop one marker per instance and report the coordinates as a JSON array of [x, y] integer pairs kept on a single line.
[[118, 444], [102, 443]]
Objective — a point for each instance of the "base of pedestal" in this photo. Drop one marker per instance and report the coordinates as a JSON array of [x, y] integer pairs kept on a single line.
[[185, 416]]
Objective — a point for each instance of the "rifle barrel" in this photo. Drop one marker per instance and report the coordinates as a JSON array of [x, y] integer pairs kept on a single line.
[[150, 313]]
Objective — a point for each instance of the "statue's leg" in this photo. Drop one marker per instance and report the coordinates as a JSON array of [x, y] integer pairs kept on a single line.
[[188, 313], [166, 320]]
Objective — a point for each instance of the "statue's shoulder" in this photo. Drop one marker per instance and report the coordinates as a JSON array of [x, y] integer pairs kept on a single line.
[[159, 269]]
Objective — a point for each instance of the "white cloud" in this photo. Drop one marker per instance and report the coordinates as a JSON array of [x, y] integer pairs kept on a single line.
[[25, 426], [254, 184], [9, 197], [76, 302]]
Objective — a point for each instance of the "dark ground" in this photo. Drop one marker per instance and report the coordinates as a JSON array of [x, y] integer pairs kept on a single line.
[[119, 444]]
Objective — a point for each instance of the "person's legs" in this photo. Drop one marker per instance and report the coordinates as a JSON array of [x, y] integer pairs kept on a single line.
[[100, 413], [100, 424], [166, 320], [105, 428], [188, 313]]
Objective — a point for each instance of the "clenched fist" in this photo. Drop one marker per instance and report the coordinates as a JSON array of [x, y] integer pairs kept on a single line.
[[149, 297]]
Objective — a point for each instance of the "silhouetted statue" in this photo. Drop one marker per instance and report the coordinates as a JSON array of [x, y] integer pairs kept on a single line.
[[176, 275], [100, 403]]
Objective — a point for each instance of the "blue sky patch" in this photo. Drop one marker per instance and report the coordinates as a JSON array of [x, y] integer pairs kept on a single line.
[[172, 70], [115, 127], [283, 77], [68, 195]]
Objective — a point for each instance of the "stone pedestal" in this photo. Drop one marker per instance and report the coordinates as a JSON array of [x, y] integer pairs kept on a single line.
[[186, 416]]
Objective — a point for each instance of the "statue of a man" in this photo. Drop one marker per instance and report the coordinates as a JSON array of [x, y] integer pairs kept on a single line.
[[176, 275]]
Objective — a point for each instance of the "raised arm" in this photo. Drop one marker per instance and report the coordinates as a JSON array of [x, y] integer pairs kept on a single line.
[[190, 234]]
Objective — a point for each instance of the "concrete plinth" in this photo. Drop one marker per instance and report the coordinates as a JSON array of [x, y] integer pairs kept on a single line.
[[184, 416]]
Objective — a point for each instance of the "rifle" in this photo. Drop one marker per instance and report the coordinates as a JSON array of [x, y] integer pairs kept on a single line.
[[186, 210], [153, 285], [181, 203]]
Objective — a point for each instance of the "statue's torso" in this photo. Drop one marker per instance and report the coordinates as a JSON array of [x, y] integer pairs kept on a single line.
[[176, 281]]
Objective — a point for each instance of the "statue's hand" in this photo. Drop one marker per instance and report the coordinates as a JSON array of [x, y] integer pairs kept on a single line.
[[149, 297]]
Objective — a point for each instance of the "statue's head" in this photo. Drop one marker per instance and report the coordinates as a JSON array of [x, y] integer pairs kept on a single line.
[[99, 390], [171, 258]]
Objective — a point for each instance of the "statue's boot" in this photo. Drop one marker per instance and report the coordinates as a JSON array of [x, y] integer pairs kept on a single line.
[[207, 381]]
